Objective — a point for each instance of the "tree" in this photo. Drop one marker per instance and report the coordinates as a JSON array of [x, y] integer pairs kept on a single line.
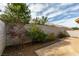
[[16, 13], [44, 20], [36, 20], [40, 21]]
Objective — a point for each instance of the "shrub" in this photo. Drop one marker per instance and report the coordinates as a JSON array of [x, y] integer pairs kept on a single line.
[[37, 35], [62, 35], [51, 37], [75, 28]]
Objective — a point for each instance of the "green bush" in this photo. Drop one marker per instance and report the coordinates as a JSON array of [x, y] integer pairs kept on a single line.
[[62, 35], [37, 35], [75, 28], [51, 37]]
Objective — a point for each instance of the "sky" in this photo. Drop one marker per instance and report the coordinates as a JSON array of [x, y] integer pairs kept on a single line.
[[57, 13]]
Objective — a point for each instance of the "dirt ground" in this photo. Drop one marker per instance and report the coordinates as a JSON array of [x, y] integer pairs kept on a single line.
[[67, 47], [28, 49]]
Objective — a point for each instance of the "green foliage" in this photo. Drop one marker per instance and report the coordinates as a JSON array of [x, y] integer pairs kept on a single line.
[[16, 13], [41, 20], [37, 35], [62, 35], [36, 20], [75, 28], [51, 37], [44, 20]]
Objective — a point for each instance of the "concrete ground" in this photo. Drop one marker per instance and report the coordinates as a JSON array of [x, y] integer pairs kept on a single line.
[[66, 47]]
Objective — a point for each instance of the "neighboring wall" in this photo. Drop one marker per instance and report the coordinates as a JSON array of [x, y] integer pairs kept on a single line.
[[2, 36], [47, 29], [50, 29], [13, 38], [11, 41]]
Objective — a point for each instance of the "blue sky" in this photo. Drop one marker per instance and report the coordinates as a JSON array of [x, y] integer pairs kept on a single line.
[[57, 13]]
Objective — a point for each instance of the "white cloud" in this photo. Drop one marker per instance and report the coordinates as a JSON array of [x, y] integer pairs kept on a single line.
[[49, 10], [36, 7], [70, 23], [33, 15], [76, 7], [58, 12], [66, 22], [54, 12], [2, 6]]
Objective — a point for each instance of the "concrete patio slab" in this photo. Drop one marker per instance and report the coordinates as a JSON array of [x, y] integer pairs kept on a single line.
[[67, 47]]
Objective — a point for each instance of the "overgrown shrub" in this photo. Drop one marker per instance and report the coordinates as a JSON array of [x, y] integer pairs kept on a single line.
[[51, 37], [37, 35], [62, 35]]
